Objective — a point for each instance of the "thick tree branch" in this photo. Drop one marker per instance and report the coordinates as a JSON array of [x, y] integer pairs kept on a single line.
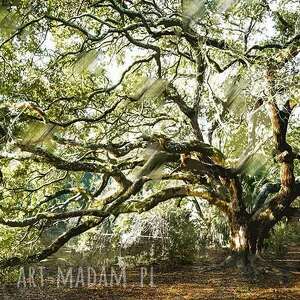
[[42, 156], [267, 189], [54, 247], [173, 192], [273, 210], [51, 217], [133, 206]]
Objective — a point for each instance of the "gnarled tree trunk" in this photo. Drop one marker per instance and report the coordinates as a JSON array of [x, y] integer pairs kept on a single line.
[[246, 243]]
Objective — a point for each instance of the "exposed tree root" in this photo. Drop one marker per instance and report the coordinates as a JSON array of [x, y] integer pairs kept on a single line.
[[253, 268]]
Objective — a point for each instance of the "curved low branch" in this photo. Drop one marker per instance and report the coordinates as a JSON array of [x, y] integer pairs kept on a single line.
[[120, 208], [174, 192], [54, 247]]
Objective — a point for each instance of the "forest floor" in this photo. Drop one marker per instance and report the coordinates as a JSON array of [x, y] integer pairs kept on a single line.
[[182, 282]]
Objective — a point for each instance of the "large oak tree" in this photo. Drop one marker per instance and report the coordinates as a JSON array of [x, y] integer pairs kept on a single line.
[[151, 100]]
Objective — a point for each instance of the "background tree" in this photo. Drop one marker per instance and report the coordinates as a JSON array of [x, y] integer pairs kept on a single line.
[[147, 101]]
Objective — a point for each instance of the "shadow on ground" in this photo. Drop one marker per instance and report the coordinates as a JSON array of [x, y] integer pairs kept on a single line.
[[182, 282]]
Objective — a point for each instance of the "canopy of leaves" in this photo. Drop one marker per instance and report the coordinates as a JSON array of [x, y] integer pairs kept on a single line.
[[99, 99]]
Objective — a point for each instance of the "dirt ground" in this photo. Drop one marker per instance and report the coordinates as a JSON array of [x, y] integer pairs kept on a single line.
[[182, 282]]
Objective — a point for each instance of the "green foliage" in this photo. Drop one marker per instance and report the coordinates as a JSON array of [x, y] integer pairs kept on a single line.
[[7, 22], [11, 242], [165, 235], [283, 235], [38, 134], [182, 236], [70, 65]]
